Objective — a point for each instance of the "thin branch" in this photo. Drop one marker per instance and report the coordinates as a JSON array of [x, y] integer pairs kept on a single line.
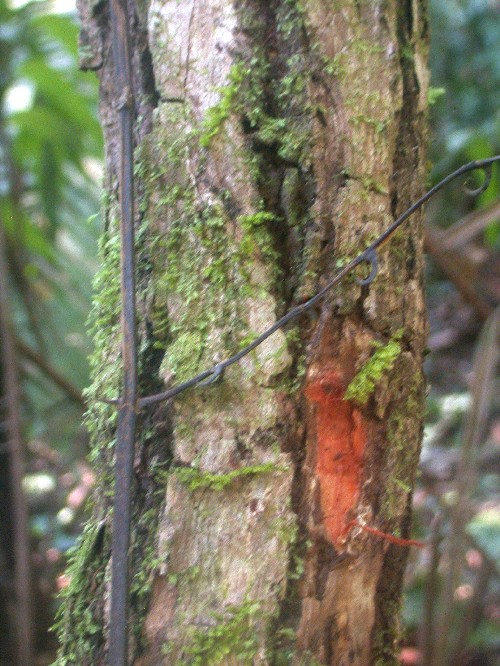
[[431, 594], [452, 266], [470, 226], [61, 382]]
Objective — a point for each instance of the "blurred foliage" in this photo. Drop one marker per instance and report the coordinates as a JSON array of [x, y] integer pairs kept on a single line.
[[465, 118], [50, 153], [452, 600], [50, 168], [464, 65]]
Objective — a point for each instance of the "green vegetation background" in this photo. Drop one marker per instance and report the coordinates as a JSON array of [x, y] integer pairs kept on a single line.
[[50, 172]]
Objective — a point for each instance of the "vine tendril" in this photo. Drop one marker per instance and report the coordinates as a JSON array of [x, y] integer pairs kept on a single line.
[[475, 192], [370, 256]]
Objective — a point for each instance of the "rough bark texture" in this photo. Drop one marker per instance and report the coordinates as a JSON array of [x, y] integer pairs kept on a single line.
[[275, 140]]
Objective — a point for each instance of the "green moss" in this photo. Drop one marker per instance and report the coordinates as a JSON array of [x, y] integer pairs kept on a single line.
[[378, 125], [208, 274], [335, 66], [195, 478], [406, 52], [294, 83], [360, 45], [289, 133], [201, 271], [385, 640], [288, 533], [292, 141], [187, 576], [371, 185], [290, 17], [283, 646], [167, 648], [217, 115], [402, 460], [288, 655], [433, 94], [286, 529], [249, 222], [258, 240], [381, 363], [80, 624], [104, 318], [148, 561], [77, 622], [183, 355], [232, 635]]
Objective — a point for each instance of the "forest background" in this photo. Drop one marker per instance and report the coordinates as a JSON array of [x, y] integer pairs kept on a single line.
[[50, 176]]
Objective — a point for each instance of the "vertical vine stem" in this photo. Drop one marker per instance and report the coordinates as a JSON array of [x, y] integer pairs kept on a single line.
[[125, 439]]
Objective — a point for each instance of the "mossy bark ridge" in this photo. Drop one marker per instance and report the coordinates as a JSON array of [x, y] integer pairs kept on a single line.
[[275, 139]]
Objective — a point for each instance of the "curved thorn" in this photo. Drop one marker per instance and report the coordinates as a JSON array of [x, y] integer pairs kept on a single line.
[[371, 257], [217, 374], [474, 192]]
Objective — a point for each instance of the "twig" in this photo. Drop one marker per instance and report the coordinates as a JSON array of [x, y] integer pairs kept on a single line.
[[470, 226], [51, 372], [452, 266], [431, 594], [398, 541]]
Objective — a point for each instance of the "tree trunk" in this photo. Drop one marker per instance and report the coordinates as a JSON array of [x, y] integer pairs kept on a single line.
[[275, 140]]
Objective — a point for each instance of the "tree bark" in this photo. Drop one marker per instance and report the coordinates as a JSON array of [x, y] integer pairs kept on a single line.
[[275, 140]]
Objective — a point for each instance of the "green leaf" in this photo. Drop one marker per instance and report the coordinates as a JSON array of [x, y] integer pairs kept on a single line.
[[433, 94]]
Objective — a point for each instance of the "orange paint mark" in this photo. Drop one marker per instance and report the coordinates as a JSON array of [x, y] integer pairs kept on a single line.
[[341, 440]]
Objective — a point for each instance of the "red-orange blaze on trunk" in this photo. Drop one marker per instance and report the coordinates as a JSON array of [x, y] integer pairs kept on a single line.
[[341, 440]]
